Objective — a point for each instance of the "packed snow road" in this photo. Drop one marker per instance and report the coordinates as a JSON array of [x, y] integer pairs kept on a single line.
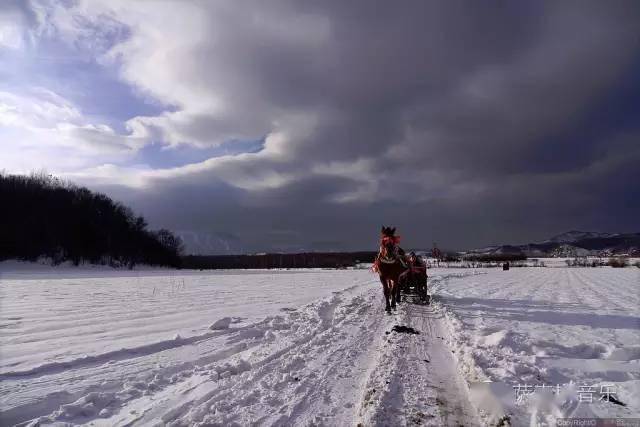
[[267, 348]]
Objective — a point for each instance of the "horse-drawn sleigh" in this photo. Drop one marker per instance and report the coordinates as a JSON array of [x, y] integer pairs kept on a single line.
[[414, 281], [398, 272]]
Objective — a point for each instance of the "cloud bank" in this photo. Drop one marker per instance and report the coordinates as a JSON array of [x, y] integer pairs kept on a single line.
[[460, 123]]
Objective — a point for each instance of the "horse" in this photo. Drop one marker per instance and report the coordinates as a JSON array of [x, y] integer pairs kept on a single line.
[[389, 266]]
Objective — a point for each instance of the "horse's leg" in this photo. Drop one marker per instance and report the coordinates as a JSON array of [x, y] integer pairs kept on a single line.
[[394, 286], [385, 289], [422, 288], [399, 285], [427, 298]]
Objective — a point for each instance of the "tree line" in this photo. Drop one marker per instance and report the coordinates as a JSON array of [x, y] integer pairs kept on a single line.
[[278, 260], [44, 216]]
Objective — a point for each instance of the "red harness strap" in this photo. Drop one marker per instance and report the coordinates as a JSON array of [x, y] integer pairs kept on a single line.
[[385, 240]]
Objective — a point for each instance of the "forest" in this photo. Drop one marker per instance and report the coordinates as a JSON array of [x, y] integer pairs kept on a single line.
[[44, 216]]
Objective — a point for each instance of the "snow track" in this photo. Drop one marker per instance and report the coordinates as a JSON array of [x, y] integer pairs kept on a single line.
[[332, 361], [417, 382]]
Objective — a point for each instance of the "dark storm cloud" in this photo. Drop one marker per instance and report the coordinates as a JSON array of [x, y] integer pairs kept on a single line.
[[473, 123]]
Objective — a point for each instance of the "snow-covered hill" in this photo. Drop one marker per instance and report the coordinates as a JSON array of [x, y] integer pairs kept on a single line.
[[574, 236], [569, 251], [572, 243]]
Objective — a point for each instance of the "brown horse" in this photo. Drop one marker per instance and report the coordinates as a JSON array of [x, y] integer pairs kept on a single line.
[[389, 266]]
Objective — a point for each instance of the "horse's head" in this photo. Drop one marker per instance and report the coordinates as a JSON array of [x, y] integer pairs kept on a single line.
[[388, 231], [388, 240]]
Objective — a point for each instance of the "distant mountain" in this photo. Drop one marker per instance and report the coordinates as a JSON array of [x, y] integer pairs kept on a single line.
[[206, 243], [574, 236], [571, 244]]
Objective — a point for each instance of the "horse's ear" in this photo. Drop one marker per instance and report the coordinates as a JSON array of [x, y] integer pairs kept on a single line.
[[382, 229], [393, 230]]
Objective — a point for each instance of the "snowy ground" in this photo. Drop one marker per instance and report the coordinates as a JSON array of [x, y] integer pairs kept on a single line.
[[577, 328], [308, 347], [169, 348]]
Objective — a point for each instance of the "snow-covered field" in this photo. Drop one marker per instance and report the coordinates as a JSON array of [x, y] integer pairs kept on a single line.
[[572, 330], [310, 347]]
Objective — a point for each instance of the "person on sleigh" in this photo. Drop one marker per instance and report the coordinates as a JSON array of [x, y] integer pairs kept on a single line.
[[416, 268]]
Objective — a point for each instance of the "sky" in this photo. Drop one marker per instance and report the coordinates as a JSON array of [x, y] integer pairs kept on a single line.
[[302, 125]]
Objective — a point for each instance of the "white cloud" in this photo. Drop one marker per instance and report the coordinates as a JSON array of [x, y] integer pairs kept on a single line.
[[41, 129], [196, 57], [40, 108], [11, 35]]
